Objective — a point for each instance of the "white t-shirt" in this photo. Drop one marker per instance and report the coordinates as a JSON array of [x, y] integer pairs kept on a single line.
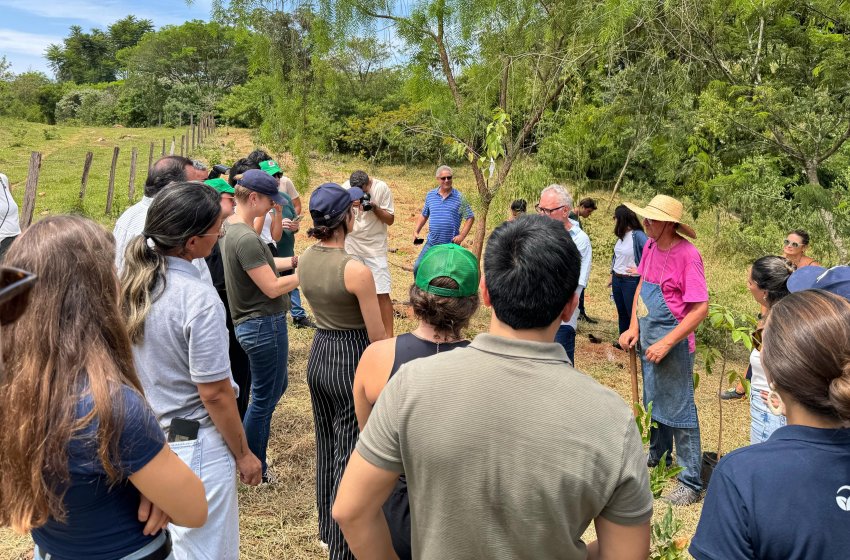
[[287, 187], [369, 238], [624, 254], [758, 382], [10, 226]]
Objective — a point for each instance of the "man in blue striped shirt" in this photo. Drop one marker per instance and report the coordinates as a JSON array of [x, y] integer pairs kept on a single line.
[[446, 208]]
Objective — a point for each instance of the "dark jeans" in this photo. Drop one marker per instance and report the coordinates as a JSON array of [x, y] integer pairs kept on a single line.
[[581, 304], [267, 345], [688, 451], [624, 298], [566, 337], [4, 246]]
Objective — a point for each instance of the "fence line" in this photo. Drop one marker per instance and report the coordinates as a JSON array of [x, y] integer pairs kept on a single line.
[[199, 132]]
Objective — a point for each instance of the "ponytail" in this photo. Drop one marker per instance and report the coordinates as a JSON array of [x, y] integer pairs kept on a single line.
[[144, 267]]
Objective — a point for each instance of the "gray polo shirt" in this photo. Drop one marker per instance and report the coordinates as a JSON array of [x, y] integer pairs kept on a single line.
[[509, 452], [185, 344]]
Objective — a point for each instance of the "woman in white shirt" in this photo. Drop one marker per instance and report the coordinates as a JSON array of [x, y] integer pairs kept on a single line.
[[10, 227], [627, 253]]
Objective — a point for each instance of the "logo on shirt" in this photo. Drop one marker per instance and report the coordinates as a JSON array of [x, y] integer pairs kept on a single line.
[[843, 501]]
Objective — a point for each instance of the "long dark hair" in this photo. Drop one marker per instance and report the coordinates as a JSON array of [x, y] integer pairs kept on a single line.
[[177, 214], [625, 220], [70, 339]]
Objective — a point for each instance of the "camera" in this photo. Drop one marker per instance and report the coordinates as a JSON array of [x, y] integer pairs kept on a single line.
[[366, 202], [217, 171]]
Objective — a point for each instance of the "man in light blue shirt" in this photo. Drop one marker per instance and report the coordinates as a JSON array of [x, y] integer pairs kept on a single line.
[[446, 208], [556, 203]]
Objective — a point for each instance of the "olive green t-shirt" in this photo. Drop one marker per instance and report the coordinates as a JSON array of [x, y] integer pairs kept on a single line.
[[321, 271], [508, 450], [243, 250]]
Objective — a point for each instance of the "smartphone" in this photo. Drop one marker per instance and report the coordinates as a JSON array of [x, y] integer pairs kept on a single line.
[[298, 218], [418, 241], [183, 429]]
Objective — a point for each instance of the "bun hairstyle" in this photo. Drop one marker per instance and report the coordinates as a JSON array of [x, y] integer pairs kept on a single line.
[[806, 351], [771, 274], [801, 233], [321, 232], [448, 315]]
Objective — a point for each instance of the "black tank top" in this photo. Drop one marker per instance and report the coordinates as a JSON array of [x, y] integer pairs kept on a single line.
[[409, 347]]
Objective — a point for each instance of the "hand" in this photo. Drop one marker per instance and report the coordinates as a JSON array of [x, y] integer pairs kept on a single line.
[[250, 469], [457, 239], [631, 269], [415, 236], [277, 208], [628, 339], [154, 518], [610, 282], [657, 351], [290, 225]]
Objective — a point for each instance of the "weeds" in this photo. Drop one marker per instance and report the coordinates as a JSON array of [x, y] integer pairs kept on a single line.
[[665, 545]]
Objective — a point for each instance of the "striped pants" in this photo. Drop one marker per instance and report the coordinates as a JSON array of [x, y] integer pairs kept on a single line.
[[330, 377]]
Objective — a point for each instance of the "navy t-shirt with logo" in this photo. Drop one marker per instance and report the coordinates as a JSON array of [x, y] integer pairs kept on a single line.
[[787, 498], [102, 520]]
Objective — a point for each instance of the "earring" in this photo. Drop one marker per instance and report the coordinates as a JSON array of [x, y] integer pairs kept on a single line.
[[776, 410]]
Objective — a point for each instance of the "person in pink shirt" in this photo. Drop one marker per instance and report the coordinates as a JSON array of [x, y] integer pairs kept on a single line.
[[670, 303]]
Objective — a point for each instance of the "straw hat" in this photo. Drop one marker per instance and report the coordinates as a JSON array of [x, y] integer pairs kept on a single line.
[[663, 208]]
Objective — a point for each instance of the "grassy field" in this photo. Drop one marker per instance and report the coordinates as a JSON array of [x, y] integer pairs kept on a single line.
[[280, 521]]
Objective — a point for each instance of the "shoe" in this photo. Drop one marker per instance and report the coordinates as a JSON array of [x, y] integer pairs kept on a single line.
[[269, 478], [681, 495], [652, 463], [303, 323], [588, 320], [731, 394]]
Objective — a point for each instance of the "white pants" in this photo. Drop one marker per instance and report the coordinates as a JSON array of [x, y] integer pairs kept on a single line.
[[209, 458]]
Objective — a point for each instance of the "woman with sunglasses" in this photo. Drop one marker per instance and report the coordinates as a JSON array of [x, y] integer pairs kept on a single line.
[[258, 300], [81, 454], [794, 248], [341, 292], [176, 322], [804, 467]]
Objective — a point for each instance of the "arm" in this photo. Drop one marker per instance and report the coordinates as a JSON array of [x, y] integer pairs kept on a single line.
[[383, 215], [258, 224], [359, 281], [277, 223], [464, 231], [272, 285], [362, 491], [296, 203], [619, 542], [420, 223], [283, 263], [220, 401], [689, 324], [373, 372], [170, 484]]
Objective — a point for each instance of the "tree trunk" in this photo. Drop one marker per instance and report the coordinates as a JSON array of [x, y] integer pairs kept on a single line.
[[826, 214], [481, 230]]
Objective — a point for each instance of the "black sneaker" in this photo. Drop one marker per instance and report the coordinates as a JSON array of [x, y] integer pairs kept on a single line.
[[587, 319], [303, 323], [731, 394]]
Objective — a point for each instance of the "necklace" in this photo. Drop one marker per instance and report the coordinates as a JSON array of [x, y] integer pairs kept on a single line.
[[435, 341]]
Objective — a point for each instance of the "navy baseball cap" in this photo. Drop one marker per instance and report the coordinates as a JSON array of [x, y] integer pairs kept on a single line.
[[261, 182], [835, 280], [329, 201]]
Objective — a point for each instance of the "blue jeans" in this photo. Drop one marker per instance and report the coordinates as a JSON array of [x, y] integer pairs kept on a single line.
[[424, 250], [295, 299], [623, 290], [762, 421], [267, 345], [566, 337], [688, 451]]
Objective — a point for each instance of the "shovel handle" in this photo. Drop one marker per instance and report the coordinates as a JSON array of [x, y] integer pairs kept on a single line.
[[633, 372]]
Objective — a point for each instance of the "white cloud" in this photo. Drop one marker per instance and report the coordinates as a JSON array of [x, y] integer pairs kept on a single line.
[[25, 43]]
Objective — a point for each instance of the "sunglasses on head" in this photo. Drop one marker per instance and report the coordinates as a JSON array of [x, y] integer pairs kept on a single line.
[[15, 288], [792, 244]]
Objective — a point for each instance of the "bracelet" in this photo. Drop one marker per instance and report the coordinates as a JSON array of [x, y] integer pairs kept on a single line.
[[294, 262]]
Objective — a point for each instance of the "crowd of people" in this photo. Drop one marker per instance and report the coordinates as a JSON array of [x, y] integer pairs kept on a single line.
[[141, 371]]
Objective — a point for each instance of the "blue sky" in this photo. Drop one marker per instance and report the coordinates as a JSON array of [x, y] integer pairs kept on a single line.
[[28, 27]]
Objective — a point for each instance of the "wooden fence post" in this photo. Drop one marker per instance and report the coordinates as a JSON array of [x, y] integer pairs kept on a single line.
[[150, 158], [182, 144], [172, 146], [131, 191], [192, 126], [31, 190], [85, 181], [111, 192], [163, 147]]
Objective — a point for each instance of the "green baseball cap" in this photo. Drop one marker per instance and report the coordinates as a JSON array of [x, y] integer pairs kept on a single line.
[[452, 261], [271, 167], [222, 186]]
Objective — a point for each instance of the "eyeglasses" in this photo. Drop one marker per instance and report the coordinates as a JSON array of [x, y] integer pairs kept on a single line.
[[792, 244], [447, 178], [547, 211], [220, 234], [15, 288]]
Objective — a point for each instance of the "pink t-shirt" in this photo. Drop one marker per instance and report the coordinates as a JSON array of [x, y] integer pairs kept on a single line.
[[681, 275]]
